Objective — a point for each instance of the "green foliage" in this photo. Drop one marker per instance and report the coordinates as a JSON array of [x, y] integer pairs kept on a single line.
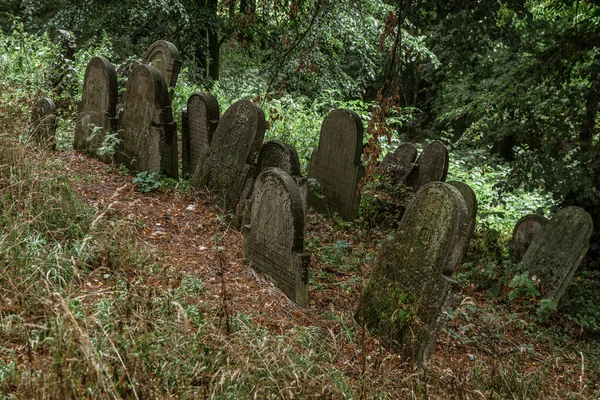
[[147, 181], [522, 285]]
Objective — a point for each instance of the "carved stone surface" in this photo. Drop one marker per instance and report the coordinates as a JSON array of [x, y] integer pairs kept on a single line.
[[96, 114], [274, 240], [336, 165], [164, 56], [470, 200], [146, 129], [44, 121], [276, 154], [231, 155], [523, 234], [199, 121], [411, 287], [431, 166], [557, 250], [397, 165]]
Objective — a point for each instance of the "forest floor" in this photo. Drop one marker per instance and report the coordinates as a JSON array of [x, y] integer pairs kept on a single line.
[[489, 349]]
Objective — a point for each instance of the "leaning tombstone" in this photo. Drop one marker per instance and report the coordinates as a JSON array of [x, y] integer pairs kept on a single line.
[[470, 200], [274, 239], [411, 288], [276, 154], [557, 250], [45, 121], [229, 163], [336, 165], [96, 116], [199, 122], [164, 56], [431, 166], [523, 234], [146, 128], [396, 165]]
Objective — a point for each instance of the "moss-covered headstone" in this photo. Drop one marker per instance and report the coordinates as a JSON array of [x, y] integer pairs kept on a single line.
[[96, 115], [411, 287], [164, 56], [470, 201], [229, 162], [397, 165], [199, 120], [336, 165], [146, 129], [44, 121], [523, 234], [274, 239], [557, 250]]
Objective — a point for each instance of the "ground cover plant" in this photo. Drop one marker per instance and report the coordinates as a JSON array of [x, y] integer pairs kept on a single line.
[[122, 285]]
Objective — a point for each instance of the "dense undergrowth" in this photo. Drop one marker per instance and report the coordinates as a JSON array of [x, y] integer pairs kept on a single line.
[[87, 311]]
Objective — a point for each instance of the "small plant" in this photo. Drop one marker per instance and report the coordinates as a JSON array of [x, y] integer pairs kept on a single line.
[[523, 285], [109, 144], [147, 181]]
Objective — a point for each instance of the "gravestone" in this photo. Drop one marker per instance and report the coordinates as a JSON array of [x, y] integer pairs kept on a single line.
[[44, 120], [523, 234], [274, 240], [407, 296], [398, 164], [471, 202], [164, 56], [199, 121], [229, 162], [336, 165], [557, 250], [431, 166], [96, 114], [276, 154], [146, 129], [123, 73]]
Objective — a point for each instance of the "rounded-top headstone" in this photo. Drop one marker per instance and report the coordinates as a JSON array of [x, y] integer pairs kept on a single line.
[[523, 234], [200, 120], [98, 105], [276, 154], [471, 201], [431, 166], [164, 56], [397, 165], [45, 121], [557, 250]]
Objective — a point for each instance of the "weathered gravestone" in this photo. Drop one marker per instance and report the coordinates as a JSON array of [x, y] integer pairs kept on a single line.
[[44, 120], [336, 165], [431, 166], [199, 122], [146, 128], [276, 154], [523, 234], [274, 240], [397, 165], [470, 201], [557, 250], [96, 114], [229, 162], [408, 293], [164, 56]]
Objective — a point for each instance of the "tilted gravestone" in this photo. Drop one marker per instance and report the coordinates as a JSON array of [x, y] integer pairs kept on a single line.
[[44, 123], [411, 287], [229, 162], [164, 56], [274, 239], [146, 128], [336, 165], [523, 234], [397, 165], [96, 114], [431, 166], [557, 250], [199, 121], [276, 154], [470, 200]]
